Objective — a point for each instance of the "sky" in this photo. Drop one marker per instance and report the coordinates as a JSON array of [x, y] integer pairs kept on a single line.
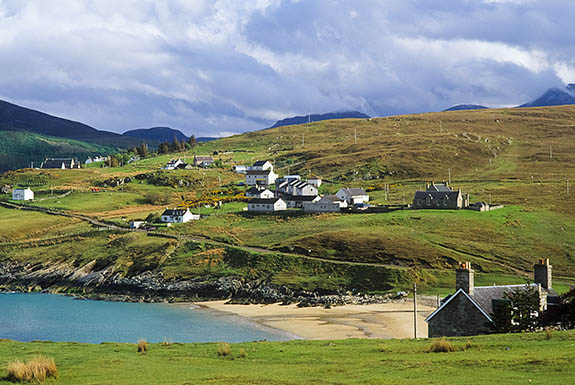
[[214, 68]]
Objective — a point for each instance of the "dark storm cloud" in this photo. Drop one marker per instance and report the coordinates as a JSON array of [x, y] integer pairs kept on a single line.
[[218, 67]]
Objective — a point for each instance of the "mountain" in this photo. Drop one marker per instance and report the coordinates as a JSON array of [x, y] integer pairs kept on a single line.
[[554, 97], [461, 107], [318, 117], [18, 149], [17, 118], [156, 134]]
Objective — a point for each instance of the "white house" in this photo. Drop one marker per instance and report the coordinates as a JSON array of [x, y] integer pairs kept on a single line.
[[96, 159], [314, 181], [178, 216], [306, 189], [267, 205], [261, 165], [262, 193], [327, 204], [137, 224], [297, 201], [240, 169], [260, 177], [22, 194], [353, 195], [61, 163], [173, 164]]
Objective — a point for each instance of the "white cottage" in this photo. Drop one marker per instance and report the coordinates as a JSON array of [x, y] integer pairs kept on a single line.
[[260, 177], [178, 216], [314, 181], [173, 164], [327, 204], [262, 193], [353, 195], [22, 194], [267, 205], [261, 165]]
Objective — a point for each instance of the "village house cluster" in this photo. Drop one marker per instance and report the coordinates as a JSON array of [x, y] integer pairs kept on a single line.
[[198, 161]]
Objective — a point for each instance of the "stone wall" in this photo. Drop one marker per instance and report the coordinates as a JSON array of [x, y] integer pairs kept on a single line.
[[459, 318]]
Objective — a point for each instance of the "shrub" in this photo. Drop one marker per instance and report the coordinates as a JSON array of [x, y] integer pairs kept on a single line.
[[441, 346], [224, 349], [467, 345], [36, 370], [157, 198], [142, 346], [243, 353], [382, 348]]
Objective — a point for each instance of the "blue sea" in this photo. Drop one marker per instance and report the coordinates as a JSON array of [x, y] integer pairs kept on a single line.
[[28, 317]]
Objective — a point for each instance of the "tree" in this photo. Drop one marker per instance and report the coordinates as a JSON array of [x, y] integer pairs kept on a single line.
[[518, 311], [164, 148], [562, 315], [113, 161], [192, 141], [142, 150]]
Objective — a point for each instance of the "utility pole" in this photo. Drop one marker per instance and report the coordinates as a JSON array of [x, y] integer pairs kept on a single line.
[[567, 186], [303, 140], [489, 198], [355, 137], [415, 310], [449, 179], [550, 151]]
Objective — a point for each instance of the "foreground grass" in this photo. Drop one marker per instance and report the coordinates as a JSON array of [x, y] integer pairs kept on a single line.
[[499, 359]]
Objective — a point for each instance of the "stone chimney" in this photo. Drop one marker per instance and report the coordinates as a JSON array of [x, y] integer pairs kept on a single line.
[[464, 278], [542, 273]]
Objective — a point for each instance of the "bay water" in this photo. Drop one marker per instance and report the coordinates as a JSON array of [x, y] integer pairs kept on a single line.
[[37, 316]]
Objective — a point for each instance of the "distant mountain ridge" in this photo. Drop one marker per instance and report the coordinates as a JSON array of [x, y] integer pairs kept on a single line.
[[17, 118], [156, 134], [319, 117], [461, 107], [554, 97]]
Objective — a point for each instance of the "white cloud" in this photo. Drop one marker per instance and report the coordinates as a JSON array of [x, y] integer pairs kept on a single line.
[[229, 66]]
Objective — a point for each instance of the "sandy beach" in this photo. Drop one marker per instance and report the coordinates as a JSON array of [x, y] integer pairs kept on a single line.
[[390, 320]]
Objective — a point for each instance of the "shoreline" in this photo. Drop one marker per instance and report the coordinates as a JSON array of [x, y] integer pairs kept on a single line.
[[373, 321]]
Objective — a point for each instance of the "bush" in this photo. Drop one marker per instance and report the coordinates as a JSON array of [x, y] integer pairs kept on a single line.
[[156, 198], [243, 353], [142, 346], [224, 349], [36, 370], [442, 346]]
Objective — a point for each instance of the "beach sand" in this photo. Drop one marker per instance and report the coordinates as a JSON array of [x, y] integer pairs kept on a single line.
[[389, 320]]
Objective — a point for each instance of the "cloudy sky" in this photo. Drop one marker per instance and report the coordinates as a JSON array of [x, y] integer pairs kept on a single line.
[[219, 67]]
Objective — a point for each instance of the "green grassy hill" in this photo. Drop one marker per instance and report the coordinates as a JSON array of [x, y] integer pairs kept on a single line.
[[522, 158], [18, 149], [496, 359]]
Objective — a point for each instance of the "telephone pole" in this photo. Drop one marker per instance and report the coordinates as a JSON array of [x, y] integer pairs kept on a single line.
[[415, 310], [449, 178], [355, 136]]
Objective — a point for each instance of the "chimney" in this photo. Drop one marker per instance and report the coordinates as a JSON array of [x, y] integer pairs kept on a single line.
[[542, 273], [464, 278]]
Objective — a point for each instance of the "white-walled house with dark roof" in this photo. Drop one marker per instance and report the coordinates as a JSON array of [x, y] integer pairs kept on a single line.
[[178, 215]]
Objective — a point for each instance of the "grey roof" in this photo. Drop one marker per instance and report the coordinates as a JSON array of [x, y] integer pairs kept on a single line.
[[443, 187], [450, 297], [269, 201], [203, 158], [174, 212], [354, 191], [436, 195], [253, 190], [260, 163], [300, 198], [332, 198], [484, 295], [57, 162], [258, 172]]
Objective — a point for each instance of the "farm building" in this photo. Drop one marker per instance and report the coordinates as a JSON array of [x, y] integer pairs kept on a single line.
[[469, 310], [267, 205], [353, 195], [179, 215], [260, 177], [203, 161], [60, 163], [261, 165], [440, 196], [22, 194]]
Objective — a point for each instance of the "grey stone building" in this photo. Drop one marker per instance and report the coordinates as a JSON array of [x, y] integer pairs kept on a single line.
[[440, 196], [469, 310]]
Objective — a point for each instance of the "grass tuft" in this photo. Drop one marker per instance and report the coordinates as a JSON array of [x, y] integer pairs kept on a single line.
[[224, 349], [548, 334], [142, 346], [38, 369], [243, 353], [441, 345], [167, 342]]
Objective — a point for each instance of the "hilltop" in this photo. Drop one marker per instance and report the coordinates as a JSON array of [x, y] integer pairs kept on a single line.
[[521, 158], [156, 134], [319, 117]]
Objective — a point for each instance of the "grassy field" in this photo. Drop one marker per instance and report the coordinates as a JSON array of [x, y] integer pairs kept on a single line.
[[495, 359], [521, 158]]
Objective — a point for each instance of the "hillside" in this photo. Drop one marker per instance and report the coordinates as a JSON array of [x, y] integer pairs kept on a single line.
[[461, 107], [18, 149], [521, 158], [319, 117], [554, 97], [498, 359], [156, 134], [16, 118]]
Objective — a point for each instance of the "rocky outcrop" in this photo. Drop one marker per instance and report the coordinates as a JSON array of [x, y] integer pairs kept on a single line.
[[105, 283]]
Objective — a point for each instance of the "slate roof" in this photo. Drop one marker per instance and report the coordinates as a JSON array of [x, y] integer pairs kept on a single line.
[[269, 201], [253, 190], [442, 187], [354, 191], [483, 295], [330, 198], [57, 162], [258, 172], [174, 212], [300, 198], [436, 195], [260, 163]]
